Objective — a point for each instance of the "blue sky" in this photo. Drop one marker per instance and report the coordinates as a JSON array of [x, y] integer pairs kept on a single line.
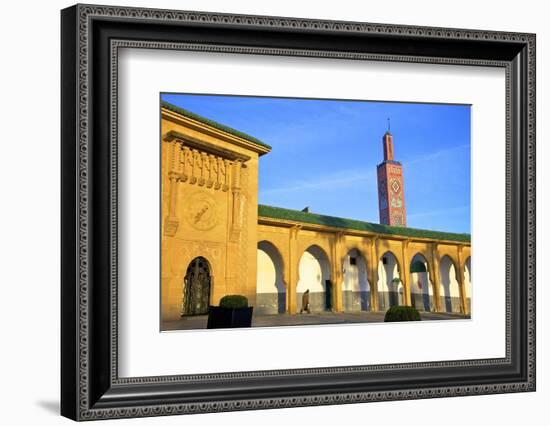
[[324, 154]]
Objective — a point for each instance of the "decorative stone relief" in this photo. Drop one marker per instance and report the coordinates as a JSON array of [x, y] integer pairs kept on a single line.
[[201, 211]]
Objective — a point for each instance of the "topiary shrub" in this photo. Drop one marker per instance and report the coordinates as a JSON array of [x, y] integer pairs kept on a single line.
[[234, 301], [401, 313], [233, 312]]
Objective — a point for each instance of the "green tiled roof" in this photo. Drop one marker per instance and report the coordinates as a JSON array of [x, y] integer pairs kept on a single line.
[[338, 222], [212, 123]]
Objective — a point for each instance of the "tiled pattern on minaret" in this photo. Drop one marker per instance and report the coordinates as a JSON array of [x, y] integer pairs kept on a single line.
[[391, 193]]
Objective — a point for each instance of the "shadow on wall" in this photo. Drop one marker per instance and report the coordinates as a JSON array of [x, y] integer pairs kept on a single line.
[[270, 287], [447, 300], [356, 288], [421, 287], [314, 275], [281, 302], [450, 297]]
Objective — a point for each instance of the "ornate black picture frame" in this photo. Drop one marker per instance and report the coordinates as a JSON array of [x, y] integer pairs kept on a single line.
[[91, 36]]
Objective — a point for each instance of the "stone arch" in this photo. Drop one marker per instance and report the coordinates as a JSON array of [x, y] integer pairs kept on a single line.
[[468, 283], [321, 243], [197, 287], [420, 283], [390, 284], [450, 289], [314, 275], [355, 287], [270, 284]]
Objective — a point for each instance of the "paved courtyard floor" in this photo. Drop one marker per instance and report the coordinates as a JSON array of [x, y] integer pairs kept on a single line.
[[199, 322]]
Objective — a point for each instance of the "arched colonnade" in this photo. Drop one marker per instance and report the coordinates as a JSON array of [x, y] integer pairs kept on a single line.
[[352, 273]]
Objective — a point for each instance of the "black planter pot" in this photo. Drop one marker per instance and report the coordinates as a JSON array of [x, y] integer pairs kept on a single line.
[[219, 317]]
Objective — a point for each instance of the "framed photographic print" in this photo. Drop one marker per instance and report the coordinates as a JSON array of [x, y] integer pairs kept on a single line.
[[263, 212]]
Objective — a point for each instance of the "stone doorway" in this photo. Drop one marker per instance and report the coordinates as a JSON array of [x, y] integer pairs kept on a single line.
[[196, 289]]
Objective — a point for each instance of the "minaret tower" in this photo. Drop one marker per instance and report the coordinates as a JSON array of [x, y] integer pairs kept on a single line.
[[391, 193]]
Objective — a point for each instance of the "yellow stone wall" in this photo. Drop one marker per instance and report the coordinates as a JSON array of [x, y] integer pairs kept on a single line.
[[207, 213]]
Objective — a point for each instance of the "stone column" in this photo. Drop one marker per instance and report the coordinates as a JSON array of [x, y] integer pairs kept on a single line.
[[293, 264], [171, 221], [336, 272], [404, 274], [435, 275], [372, 275], [227, 173], [236, 279], [461, 282], [237, 201]]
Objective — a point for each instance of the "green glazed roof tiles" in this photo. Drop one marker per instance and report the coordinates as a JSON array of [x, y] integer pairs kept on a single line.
[[338, 222], [212, 123]]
